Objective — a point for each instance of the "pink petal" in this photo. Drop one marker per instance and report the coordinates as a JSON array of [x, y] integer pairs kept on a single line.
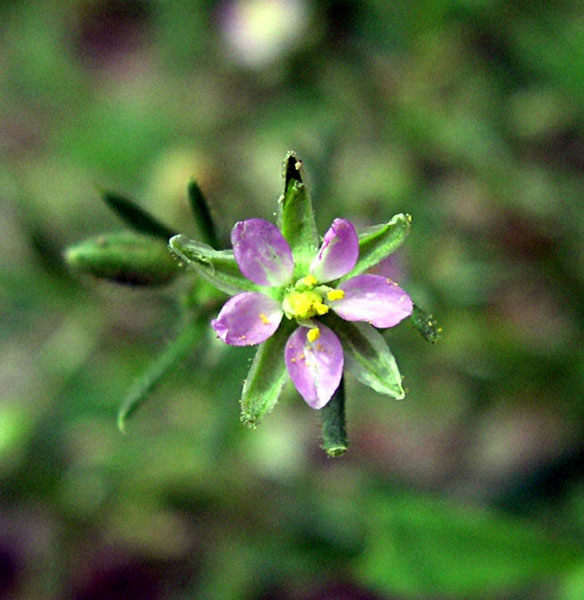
[[392, 266], [247, 319], [338, 253], [374, 299], [262, 253], [315, 367]]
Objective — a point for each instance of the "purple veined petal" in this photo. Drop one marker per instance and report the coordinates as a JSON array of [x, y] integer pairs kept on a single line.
[[315, 367], [262, 253], [248, 318], [373, 299], [338, 253]]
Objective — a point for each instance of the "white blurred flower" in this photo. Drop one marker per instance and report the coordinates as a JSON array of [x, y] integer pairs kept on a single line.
[[258, 32]]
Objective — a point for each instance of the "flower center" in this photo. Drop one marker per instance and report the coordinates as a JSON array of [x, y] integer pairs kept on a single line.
[[304, 305]]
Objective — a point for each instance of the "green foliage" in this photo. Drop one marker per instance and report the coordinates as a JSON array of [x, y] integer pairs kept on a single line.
[[467, 114], [421, 546], [379, 241], [334, 429], [202, 214], [296, 220], [266, 377], [189, 339], [218, 267], [136, 217], [426, 324], [123, 257], [367, 356]]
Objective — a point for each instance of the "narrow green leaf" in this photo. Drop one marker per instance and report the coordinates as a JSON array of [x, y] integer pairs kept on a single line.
[[123, 257], [202, 214], [218, 267], [334, 432], [135, 217], [421, 546], [178, 349], [296, 220], [367, 356], [266, 377], [379, 241], [426, 324]]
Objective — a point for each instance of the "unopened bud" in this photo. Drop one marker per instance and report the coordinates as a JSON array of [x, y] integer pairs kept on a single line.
[[124, 257]]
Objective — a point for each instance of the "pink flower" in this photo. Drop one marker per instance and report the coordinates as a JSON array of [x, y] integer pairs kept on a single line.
[[313, 353]]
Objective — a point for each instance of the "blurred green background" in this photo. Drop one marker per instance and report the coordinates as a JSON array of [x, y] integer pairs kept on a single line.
[[468, 114]]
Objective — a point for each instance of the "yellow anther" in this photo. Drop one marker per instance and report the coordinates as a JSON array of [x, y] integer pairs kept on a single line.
[[335, 295], [264, 319], [308, 281], [321, 309], [313, 334], [304, 305]]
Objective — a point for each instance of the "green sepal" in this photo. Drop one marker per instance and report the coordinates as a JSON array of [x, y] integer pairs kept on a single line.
[[266, 376], [379, 241], [135, 217], [179, 348], [426, 324], [124, 257], [367, 356], [218, 267], [202, 214], [296, 217], [334, 431]]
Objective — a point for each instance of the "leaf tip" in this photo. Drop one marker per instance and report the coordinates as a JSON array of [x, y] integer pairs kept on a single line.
[[335, 451], [426, 324], [249, 420], [121, 422], [292, 170]]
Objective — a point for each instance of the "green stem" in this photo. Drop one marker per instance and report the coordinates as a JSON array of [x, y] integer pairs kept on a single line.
[[178, 349], [334, 433]]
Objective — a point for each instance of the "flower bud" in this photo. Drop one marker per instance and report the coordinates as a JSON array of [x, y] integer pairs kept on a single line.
[[124, 257]]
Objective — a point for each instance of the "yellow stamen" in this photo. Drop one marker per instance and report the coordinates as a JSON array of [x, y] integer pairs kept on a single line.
[[335, 295], [308, 281], [264, 319], [321, 309], [304, 305], [313, 334]]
